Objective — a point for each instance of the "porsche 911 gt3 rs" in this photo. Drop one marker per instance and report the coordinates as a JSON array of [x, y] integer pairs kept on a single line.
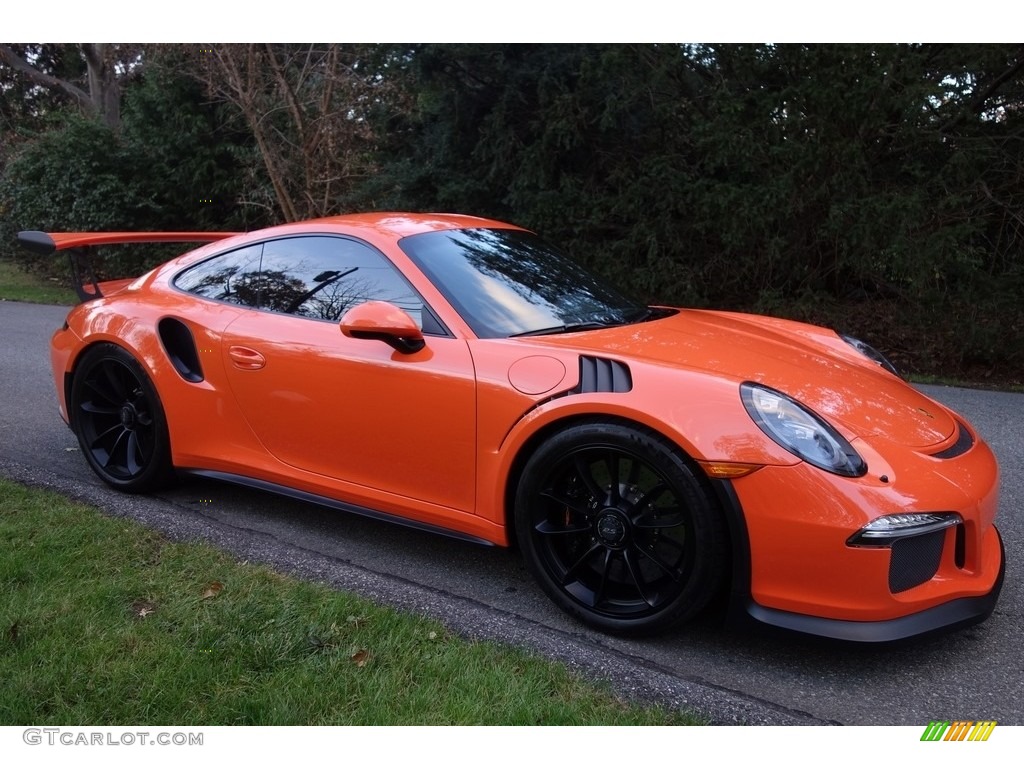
[[459, 374]]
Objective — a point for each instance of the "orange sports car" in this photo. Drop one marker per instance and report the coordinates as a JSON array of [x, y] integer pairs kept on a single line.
[[458, 374]]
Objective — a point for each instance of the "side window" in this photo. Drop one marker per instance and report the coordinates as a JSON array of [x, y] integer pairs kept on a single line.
[[323, 277], [232, 277]]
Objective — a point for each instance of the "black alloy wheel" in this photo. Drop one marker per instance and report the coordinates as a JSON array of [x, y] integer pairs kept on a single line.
[[117, 416], [619, 529]]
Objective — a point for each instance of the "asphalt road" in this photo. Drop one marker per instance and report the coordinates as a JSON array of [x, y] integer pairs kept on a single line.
[[727, 675]]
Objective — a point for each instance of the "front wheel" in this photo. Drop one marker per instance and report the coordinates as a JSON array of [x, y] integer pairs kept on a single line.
[[618, 529], [116, 414]]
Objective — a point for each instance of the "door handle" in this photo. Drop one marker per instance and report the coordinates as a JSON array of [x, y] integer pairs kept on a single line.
[[246, 359]]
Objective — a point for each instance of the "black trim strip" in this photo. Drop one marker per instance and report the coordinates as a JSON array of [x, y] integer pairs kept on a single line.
[[964, 443], [326, 501], [739, 581]]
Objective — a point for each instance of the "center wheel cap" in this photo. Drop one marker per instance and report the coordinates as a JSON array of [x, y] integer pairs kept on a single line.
[[611, 529], [127, 417]]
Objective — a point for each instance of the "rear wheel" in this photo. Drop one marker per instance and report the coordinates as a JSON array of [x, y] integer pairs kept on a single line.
[[116, 414], [618, 529]]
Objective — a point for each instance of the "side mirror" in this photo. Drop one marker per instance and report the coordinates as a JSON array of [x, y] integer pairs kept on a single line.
[[384, 322]]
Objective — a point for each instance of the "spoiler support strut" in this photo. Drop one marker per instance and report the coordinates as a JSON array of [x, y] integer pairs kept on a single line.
[[80, 262]]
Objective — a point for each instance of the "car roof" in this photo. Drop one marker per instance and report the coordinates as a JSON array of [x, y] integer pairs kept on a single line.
[[394, 224]]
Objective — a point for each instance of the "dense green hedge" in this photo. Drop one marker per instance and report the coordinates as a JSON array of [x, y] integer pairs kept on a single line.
[[875, 187], [173, 165]]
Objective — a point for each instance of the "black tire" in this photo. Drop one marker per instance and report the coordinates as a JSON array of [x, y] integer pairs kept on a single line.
[[116, 413], [618, 528]]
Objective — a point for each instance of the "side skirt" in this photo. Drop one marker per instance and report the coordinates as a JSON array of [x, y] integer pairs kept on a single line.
[[325, 501]]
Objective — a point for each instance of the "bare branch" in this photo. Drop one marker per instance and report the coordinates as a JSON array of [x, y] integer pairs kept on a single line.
[[978, 103], [12, 59]]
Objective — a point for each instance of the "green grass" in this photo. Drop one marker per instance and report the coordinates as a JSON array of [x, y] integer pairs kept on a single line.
[[18, 285], [105, 622], [1000, 385]]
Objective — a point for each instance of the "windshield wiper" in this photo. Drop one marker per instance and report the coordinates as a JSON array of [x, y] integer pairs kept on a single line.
[[642, 314], [638, 315], [569, 328]]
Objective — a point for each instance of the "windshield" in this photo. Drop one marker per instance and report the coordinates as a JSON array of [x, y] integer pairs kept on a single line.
[[507, 282]]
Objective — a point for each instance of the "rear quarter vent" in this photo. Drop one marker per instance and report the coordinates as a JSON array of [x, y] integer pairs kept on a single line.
[[180, 348]]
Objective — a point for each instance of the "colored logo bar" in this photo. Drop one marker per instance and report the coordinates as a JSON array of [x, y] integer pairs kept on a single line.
[[959, 730]]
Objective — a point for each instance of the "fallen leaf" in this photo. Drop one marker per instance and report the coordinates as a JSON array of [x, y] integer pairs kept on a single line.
[[357, 621], [360, 657], [212, 590], [142, 608], [432, 636]]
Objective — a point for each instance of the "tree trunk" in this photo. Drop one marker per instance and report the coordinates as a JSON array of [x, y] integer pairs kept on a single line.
[[103, 99], [104, 91]]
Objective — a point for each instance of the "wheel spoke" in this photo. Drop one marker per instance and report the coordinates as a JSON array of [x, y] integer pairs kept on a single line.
[[114, 449], [611, 461], [101, 410], [99, 438], [634, 573], [649, 497], [634, 472], [672, 573], [667, 517], [133, 447], [101, 391], [599, 594], [116, 383], [668, 541], [576, 505], [570, 575], [585, 473], [546, 528]]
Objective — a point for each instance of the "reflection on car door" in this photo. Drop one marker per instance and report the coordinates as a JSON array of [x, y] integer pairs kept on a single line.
[[353, 410]]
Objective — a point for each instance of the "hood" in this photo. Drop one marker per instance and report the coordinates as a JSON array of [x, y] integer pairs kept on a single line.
[[808, 363]]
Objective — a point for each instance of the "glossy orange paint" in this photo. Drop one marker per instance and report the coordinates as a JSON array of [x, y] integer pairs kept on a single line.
[[379, 317], [438, 435]]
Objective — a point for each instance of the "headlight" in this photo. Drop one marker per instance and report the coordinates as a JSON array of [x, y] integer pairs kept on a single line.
[[870, 353], [801, 431]]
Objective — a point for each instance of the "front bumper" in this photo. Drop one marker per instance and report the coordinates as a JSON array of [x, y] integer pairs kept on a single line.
[[795, 567], [956, 614]]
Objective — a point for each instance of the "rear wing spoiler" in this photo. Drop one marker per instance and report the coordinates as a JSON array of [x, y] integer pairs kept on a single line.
[[77, 244]]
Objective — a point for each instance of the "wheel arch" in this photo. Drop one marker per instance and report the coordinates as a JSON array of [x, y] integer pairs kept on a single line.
[[722, 493], [88, 345]]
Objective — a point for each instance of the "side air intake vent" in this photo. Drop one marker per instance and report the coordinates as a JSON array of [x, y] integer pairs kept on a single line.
[[181, 349], [914, 560], [600, 375]]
